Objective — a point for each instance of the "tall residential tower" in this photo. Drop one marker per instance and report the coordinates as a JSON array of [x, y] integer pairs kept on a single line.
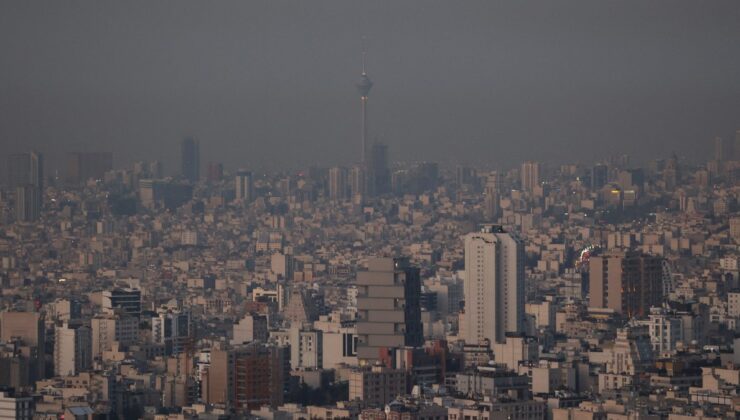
[[530, 174], [190, 163], [388, 309], [244, 182], [494, 285]]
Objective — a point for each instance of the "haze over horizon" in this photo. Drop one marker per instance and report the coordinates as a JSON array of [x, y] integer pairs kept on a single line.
[[270, 85]]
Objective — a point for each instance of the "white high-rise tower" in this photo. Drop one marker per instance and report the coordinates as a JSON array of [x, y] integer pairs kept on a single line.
[[244, 186], [494, 285]]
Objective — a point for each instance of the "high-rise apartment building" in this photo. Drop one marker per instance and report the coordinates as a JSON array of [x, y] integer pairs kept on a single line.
[[376, 385], [357, 182], [491, 196], [719, 149], [218, 376], [380, 174], [244, 182], [599, 176], [172, 329], [27, 330], [388, 309], [530, 174], [82, 166], [72, 349], [251, 327], [425, 177], [628, 282], [306, 346], [15, 406], [167, 193], [128, 300], [215, 171], [18, 170], [108, 329], [282, 265], [247, 376], [26, 176], [465, 175], [26, 326], [36, 175], [493, 285], [148, 170], [665, 329], [339, 338], [338, 184], [190, 159], [27, 203], [26, 168]]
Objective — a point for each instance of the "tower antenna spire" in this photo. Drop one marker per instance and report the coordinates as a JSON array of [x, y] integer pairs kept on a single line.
[[364, 52], [363, 88]]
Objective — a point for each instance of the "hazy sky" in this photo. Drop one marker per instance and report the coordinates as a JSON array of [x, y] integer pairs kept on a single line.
[[269, 84]]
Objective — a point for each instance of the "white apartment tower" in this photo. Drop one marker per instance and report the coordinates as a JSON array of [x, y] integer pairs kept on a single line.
[[530, 174], [493, 286], [338, 184], [244, 183], [72, 349]]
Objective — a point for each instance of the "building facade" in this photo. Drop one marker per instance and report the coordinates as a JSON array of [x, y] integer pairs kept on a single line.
[[493, 286], [388, 308]]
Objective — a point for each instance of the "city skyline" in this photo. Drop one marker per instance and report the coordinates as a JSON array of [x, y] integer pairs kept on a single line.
[[516, 87], [204, 216]]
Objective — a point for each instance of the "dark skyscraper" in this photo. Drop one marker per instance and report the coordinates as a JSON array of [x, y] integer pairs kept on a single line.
[[26, 176], [363, 87], [27, 204], [36, 162], [190, 149], [719, 149], [26, 168], [379, 172], [244, 183], [18, 170], [215, 171], [599, 176], [82, 166]]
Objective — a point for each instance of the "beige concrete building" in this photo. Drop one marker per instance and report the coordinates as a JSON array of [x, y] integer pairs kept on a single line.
[[339, 342], [377, 385], [530, 174], [499, 410], [26, 326], [515, 349], [250, 328], [388, 309], [72, 349], [628, 282], [16, 407], [108, 329]]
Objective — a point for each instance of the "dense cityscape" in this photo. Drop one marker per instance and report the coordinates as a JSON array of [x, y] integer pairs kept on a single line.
[[375, 291], [383, 289]]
